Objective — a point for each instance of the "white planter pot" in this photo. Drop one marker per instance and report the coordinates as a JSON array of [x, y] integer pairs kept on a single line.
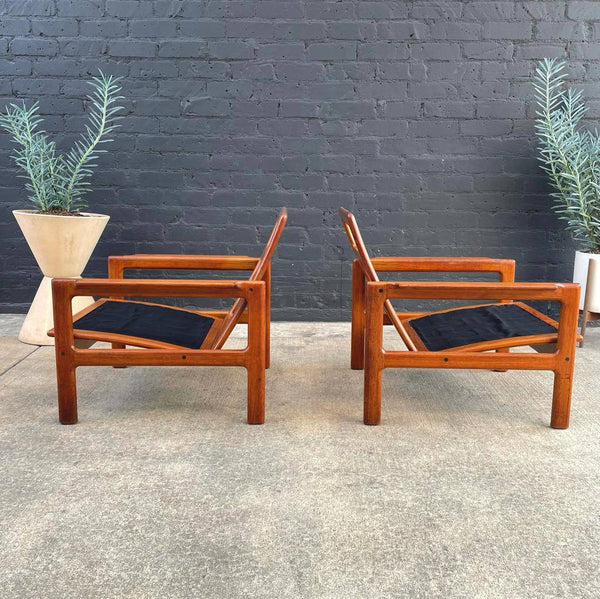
[[62, 246], [580, 275]]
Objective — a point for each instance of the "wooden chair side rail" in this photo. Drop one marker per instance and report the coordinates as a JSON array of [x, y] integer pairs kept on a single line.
[[116, 264], [560, 362], [503, 267], [69, 357]]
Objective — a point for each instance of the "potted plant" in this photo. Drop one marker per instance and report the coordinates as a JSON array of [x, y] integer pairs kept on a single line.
[[61, 236], [571, 157]]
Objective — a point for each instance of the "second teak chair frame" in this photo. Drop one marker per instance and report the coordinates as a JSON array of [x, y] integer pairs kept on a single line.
[[371, 309]]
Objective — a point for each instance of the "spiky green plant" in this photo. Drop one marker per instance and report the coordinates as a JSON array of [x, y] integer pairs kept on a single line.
[[569, 154], [58, 182]]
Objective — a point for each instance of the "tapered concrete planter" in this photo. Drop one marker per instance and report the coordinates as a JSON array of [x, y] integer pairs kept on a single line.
[[62, 246], [580, 275]]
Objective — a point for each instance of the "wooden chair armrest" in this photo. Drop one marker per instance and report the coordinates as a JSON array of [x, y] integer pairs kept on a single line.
[[117, 264], [563, 292], [153, 287], [445, 264]]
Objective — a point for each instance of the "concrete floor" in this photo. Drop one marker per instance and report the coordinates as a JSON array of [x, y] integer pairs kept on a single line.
[[162, 491]]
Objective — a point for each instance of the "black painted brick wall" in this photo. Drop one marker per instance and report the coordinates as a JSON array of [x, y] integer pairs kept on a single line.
[[417, 115]]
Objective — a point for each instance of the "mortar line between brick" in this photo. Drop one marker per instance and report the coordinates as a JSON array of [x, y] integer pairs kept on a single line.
[[19, 361]]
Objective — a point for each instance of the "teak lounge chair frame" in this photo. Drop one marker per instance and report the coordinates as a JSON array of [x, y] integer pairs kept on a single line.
[[252, 306], [371, 309]]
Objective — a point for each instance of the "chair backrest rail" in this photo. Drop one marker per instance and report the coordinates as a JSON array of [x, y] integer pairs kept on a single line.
[[233, 316], [358, 245]]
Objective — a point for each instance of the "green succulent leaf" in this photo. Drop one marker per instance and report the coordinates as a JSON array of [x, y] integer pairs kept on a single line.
[[56, 181], [568, 154]]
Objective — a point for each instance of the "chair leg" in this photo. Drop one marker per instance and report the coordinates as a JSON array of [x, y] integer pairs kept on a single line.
[[267, 280], [372, 401], [63, 291], [268, 349], [357, 351], [561, 399], [374, 363], [67, 389], [119, 346], [565, 357], [256, 393], [257, 355]]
